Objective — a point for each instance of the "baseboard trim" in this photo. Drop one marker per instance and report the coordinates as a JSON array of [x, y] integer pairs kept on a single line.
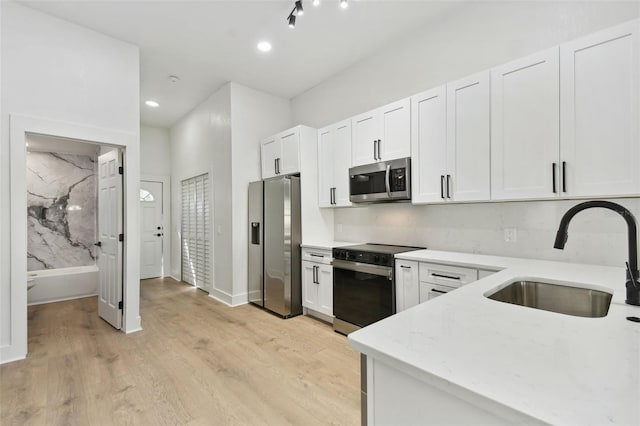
[[171, 276], [319, 315], [61, 299], [228, 299], [7, 354]]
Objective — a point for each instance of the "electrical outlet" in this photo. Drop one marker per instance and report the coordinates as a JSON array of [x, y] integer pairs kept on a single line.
[[510, 235]]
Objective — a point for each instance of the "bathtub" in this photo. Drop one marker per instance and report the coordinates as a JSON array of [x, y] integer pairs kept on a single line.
[[55, 285]]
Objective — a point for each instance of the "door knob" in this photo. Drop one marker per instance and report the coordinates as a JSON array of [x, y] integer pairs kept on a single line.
[[98, 244], [158, 235], [159, 228]]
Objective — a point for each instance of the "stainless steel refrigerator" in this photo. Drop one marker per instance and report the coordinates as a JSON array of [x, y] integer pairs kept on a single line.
[[275, 281]]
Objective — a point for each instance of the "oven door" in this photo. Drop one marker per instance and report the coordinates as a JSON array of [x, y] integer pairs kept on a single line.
[[362, 293]]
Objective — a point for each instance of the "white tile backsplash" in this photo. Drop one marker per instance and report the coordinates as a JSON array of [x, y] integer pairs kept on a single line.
[[596, 236]]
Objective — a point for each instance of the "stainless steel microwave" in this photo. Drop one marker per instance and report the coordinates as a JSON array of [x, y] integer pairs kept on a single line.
[[382, 181]]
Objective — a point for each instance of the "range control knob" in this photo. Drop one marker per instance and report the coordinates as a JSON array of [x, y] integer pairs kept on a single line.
[[376, 258], [384, 260]]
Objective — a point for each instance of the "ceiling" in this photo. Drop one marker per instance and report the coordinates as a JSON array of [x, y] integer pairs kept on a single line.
[[208, 43]]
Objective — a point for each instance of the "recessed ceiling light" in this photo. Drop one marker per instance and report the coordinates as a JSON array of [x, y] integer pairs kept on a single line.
[[264, 46], [344, 4], [152, 104], [173, 78], [316, 2]]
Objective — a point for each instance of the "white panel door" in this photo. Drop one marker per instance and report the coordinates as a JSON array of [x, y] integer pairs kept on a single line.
[[309, 285], [600, 118], [151, 232], [109, 230], [395, 130], [525, 138], [289, 162], [468, 138], [324, 275], [342, 162], [428, 145], [270, 150], [365, 129], [326, 162]]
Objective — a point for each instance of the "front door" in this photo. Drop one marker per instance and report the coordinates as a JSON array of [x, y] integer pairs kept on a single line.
[[151, 231], [109, 230]]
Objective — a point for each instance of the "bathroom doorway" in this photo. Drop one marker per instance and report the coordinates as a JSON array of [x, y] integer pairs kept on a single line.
[[123, 295], [74, 223]]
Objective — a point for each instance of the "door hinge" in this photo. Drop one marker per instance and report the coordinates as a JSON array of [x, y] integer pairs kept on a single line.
[[120, 305], [121, 170], [121, 237]]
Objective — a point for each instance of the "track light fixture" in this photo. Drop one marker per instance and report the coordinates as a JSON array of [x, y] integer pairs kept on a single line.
[[298, 10]]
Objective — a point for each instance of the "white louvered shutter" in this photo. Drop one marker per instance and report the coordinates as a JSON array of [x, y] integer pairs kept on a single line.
[[196, 244]]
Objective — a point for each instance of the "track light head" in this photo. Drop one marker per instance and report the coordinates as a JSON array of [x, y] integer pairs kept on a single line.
[[299, 9], [344, 4], [292, 21]]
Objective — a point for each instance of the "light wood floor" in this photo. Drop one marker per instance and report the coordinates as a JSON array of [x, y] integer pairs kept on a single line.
[[197, 362]]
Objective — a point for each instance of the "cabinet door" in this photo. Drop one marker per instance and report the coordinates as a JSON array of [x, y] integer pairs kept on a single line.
[[468, 138], [270, 151], [309, 286], [326, 162], [342, 162], [428, 145], [395, 130], [290, 159], [599, 80], [325, 289], [365, 132], [407, 284], [525, 145]]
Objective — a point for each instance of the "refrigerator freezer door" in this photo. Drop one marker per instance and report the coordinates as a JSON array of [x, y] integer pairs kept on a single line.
[[276, 248], [256, 230]]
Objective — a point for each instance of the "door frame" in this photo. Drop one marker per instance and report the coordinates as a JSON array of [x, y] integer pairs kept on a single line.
[[166, 219], [19, 127]]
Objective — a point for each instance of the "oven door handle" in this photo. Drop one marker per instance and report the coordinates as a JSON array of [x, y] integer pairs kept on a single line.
[[387, 184], [383, 271]]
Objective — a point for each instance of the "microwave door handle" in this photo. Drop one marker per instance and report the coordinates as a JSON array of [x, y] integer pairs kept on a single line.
[[386, 180]]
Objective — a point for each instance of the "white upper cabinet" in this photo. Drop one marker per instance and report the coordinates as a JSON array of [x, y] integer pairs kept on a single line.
[[280, 154], [600, 119], [428, 145], [334, 160], [468, 139], [382, 134], [525, 128], [395, 130], [451, 142]]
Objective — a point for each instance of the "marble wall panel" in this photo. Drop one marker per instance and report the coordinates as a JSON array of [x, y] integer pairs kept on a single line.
[[61, 208]]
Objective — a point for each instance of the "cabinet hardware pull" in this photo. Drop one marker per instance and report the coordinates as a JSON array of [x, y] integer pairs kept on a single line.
[[442, 186], [275, 166], [405, 267], [448, 186], [379, 155], [375, 157], [564, 176], [438, 291], [444, 276], [553, 176], [315, 255]]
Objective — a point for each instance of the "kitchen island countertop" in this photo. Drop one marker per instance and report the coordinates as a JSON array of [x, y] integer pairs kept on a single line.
[[550, 367]]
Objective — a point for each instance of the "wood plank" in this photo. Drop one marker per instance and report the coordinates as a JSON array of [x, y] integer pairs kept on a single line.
[[196, 362]]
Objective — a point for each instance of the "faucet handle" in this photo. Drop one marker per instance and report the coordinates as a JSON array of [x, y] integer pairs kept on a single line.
[[632, 275]]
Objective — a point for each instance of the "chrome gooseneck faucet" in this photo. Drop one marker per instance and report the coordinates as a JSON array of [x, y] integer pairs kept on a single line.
[[632, 284]]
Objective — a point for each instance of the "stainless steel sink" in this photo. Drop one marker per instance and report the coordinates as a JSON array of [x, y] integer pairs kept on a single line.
[[576, 301]]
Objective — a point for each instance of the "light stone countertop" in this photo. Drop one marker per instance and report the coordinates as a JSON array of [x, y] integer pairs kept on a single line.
[[326, 245], [555, 368]]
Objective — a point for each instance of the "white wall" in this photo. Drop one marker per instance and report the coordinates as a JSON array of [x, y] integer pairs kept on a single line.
[[201, 143], [58, 71], [255, 115], [222, 136], [473, 37], [155, 152]]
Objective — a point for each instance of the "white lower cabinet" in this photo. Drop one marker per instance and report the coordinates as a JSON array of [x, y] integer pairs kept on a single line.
[[317, 282], [430, 291], [407, 291]]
